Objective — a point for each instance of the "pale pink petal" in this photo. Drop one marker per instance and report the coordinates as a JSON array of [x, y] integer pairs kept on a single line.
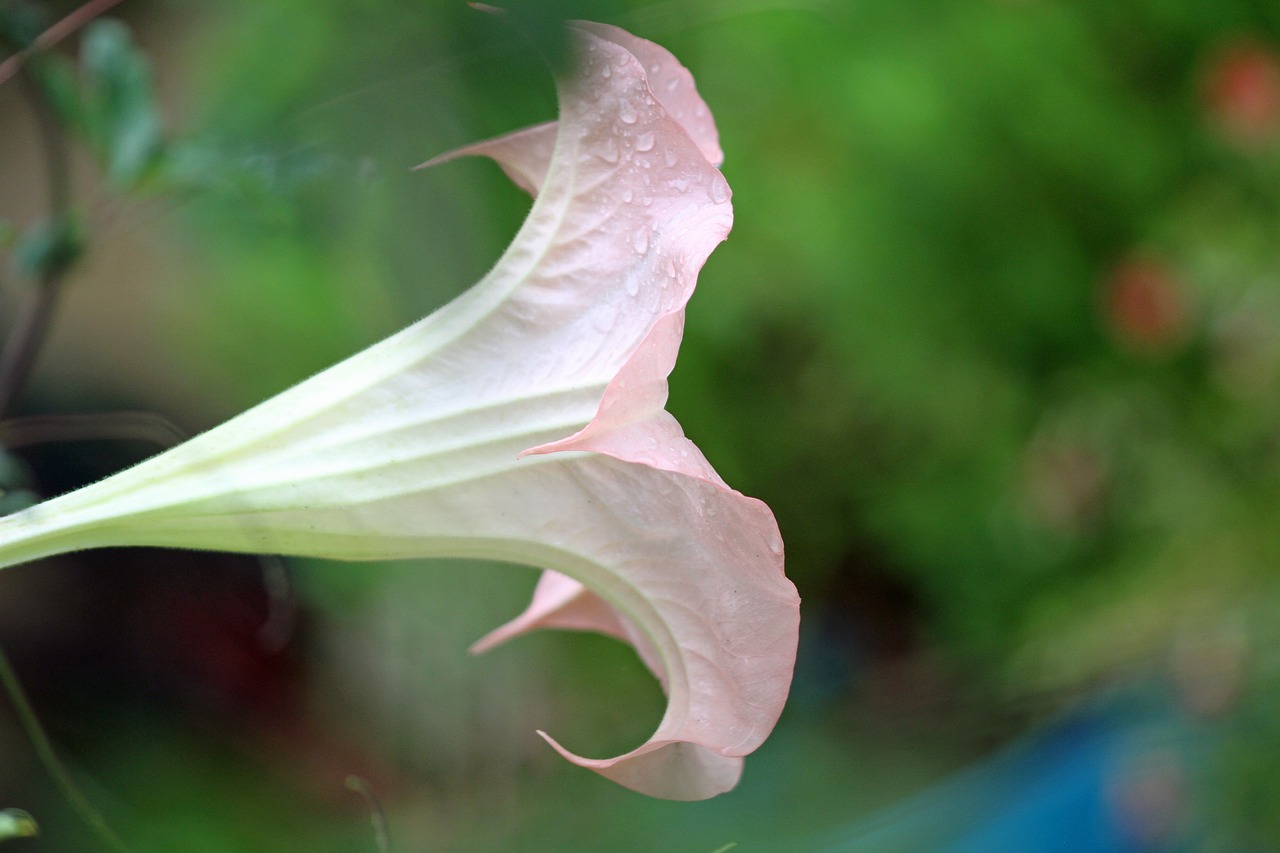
[[523, 155], [558, 602], [694, 773], [564, 603], [673, 85], [631, 423]]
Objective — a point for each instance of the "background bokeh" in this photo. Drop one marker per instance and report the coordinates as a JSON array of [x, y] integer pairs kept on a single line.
[[996, 335]]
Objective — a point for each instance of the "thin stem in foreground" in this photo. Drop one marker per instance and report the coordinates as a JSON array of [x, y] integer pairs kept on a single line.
[[44, 750]]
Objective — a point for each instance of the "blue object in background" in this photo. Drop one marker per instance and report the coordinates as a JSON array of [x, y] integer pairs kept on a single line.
[[1116, 779]]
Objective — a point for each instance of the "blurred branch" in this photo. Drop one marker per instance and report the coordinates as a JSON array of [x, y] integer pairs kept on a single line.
[[55, 767], [99, 426], [29, 330], [56, 33]]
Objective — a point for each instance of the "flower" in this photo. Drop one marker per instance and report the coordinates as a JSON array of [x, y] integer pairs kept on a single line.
[[524, 422]]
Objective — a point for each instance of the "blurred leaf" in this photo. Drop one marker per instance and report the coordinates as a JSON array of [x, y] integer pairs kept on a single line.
[[122, 121], [50, 248], [60, 85], [20, 24], [15, 823]]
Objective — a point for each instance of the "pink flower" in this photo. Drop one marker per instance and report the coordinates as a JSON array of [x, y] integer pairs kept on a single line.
[[524, 422]]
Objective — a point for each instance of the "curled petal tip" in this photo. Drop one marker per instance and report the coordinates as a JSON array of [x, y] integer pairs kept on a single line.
[[672, 770]]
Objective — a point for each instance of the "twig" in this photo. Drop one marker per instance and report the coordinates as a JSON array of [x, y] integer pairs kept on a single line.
[[44, 750], [56, 33], [99, 426], [381, 836], [23, 343]]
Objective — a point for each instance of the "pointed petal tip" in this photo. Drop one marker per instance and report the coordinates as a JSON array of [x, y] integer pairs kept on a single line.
[[491, 640], [434, 161]]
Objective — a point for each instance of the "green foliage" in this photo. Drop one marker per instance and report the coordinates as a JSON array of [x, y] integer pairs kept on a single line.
[[50, 248], [120, 117]]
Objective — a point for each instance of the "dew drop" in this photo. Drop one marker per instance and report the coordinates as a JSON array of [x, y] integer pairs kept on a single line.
[[633, 289], [641, 242], [644, 142], [606, 72], [655, 68], [609, 151], [627, 195], [673, 84], [669, 156], [719, 190], [628, 114]]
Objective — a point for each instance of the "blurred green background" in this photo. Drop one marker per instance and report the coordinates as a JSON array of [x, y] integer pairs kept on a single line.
[[996, 335]]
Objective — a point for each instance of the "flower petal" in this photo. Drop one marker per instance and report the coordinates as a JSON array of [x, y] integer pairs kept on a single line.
[[671, 83], [564, 603], [524, 155], [448, 439]]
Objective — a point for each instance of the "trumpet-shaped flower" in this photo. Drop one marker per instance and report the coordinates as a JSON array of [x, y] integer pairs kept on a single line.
[[524, 422]]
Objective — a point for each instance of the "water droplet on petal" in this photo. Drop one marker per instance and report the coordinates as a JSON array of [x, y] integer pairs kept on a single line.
[[632, 285], [609, 151], [627, 115], [606, 72], [641, 241], [627, 195], [673, 84], [719, 190], [644, 142], [669, 156]]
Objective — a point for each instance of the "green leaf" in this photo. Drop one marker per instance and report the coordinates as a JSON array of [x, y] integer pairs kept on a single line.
[[15, 823], [122, 121], [50, 248], [20, 24], [58, 81]]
